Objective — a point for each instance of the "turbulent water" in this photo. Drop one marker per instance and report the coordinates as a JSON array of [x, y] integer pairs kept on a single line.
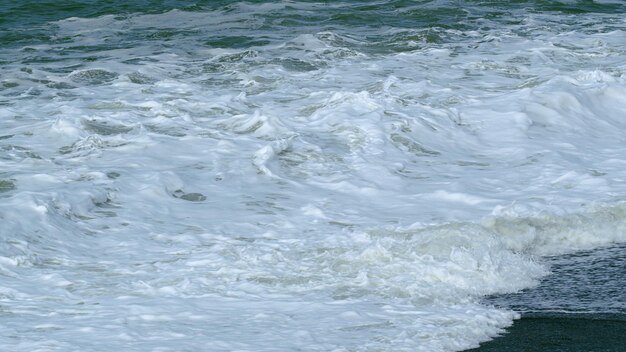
[[299, 175]]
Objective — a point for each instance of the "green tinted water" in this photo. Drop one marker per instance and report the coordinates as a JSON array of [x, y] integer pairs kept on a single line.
[[23, 22]]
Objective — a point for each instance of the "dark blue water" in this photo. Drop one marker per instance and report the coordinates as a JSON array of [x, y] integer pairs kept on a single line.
[[581, 306]]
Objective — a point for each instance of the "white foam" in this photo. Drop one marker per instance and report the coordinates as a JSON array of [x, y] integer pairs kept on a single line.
[[310, 193]]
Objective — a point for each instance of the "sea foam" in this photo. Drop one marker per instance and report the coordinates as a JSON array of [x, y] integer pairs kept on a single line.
[[318, 187]]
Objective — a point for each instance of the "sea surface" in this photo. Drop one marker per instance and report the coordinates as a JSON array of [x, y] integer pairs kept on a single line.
[[391, 175]]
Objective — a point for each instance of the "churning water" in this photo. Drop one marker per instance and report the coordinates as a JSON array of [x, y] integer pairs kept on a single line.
[[299, 175]]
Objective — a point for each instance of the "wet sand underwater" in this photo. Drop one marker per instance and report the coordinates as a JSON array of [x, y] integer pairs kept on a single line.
[[579, 307]]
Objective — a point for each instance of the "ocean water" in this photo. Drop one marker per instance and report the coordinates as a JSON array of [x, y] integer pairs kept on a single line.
[[305, 175], [579, 307]]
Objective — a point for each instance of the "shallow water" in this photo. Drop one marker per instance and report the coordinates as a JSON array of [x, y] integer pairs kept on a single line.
[[580, 306], [347, 176]]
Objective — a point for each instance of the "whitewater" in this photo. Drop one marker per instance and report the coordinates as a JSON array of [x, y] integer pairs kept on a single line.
[[301, 176]]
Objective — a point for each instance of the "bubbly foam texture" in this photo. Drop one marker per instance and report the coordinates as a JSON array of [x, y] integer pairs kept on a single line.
[[302, 189]]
